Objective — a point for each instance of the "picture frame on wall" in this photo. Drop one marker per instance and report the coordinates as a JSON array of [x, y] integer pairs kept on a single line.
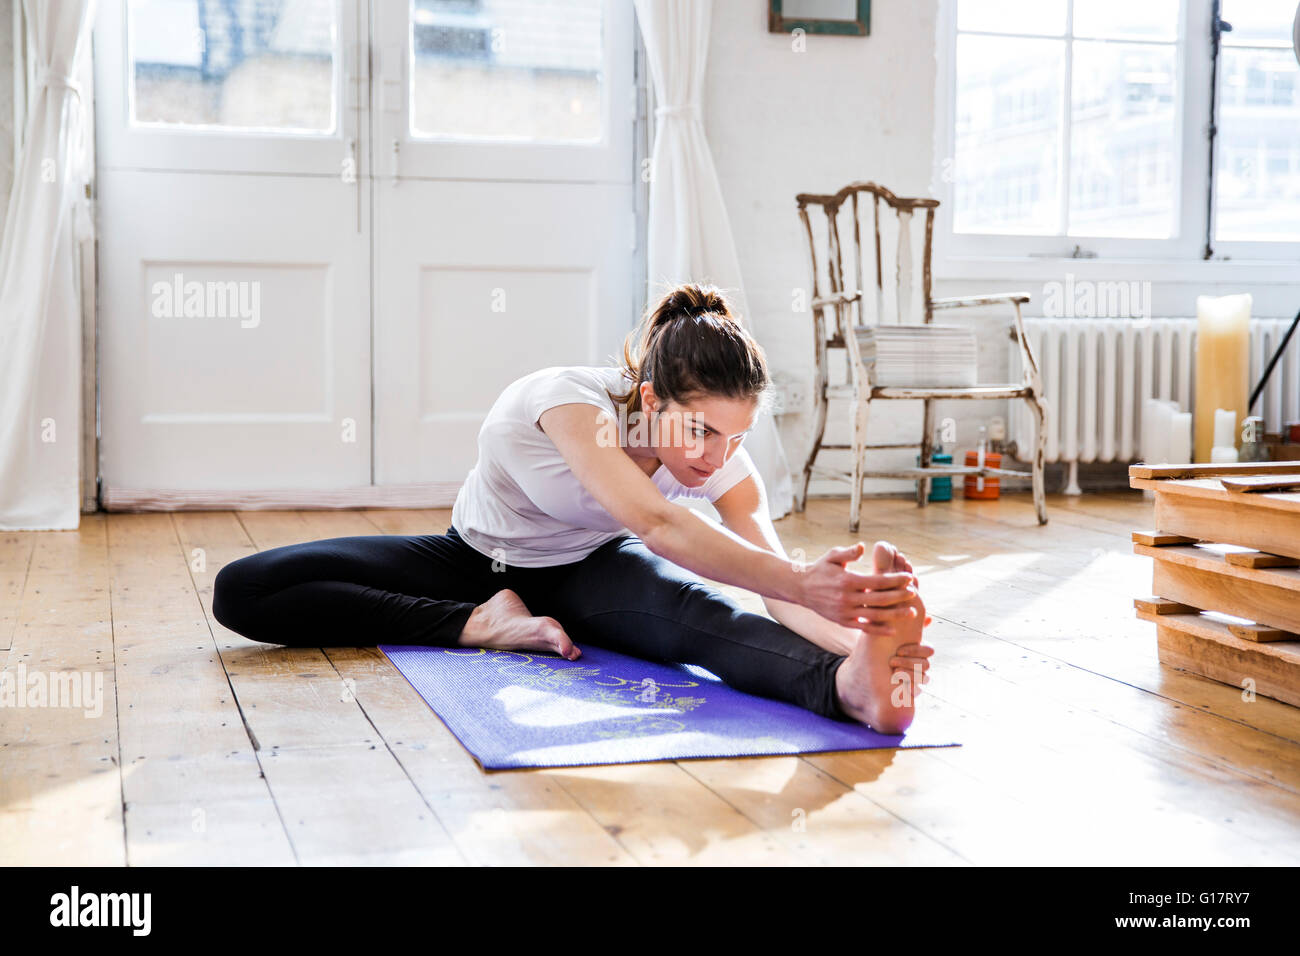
[[834, 17]]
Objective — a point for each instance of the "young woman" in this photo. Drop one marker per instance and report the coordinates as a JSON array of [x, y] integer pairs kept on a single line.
[[564, 533]]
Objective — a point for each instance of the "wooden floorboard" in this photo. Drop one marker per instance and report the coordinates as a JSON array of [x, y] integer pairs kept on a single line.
[[191, 783], [16, 551], [340, 792], [1078, 745], [60, 780]]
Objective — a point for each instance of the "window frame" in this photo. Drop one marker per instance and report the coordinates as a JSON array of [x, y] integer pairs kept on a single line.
[[970, 255]]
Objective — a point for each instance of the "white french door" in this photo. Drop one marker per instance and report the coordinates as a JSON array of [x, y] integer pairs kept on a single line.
[[332, 230]]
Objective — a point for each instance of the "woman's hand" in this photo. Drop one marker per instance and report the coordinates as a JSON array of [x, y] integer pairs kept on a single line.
[[871, 602]]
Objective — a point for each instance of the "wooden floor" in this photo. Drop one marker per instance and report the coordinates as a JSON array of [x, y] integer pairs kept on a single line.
[[1079, 748]]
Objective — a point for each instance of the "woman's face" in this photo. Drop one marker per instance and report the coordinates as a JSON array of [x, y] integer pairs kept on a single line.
[[693, 439]]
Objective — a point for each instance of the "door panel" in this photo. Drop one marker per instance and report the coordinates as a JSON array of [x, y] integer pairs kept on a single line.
[[233, 348], [466, 303]]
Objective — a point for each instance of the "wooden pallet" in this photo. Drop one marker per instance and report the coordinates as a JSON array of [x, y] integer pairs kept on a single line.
[[1197, 574]]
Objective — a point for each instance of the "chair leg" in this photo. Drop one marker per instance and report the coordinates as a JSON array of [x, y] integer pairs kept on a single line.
[[859, 463], [801, 490], [927, 449], [1039, 406]]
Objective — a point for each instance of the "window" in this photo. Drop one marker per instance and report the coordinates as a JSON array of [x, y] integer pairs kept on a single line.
[[523, 70], [240, 64], [1257, 184], [1080, 127]]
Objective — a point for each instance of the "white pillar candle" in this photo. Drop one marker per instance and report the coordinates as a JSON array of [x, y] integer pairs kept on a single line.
[[1159, 439], [1180, 438], [1225, 427]]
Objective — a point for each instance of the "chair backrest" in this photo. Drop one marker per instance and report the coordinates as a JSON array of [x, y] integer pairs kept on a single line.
[[850, 295]]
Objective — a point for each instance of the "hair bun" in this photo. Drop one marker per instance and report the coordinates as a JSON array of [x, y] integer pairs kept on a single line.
[[692, 299]]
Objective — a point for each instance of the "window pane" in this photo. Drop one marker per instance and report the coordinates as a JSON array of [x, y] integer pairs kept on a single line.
[[1123, 140], [1259, 22], [1012, 16], [507, 69], [1008, 130], [1257, 175], [243, 64], [1126, 20]]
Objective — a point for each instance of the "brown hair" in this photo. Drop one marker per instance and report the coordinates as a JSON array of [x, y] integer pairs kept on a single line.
[[691, 343]]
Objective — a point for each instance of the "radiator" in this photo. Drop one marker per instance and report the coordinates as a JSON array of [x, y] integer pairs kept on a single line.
[[1098, 372]]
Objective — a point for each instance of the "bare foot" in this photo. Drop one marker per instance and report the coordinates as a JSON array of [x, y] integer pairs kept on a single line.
[[867, 689], [879, 681], [912, 656], [503, 623]]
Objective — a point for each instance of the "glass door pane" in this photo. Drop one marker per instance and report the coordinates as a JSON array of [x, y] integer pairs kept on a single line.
[[504, 89], [530, 72], [255, 65]]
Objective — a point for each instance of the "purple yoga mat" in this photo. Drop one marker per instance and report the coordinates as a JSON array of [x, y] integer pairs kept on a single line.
[[513, 710]]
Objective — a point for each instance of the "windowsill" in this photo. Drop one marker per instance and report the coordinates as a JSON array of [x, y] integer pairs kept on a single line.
[[1025, 268]]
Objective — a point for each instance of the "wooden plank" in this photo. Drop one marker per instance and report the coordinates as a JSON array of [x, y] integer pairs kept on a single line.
[[61, 786], [1258, 559], [1238, 520], [1204, 580], [192, 786], [15, 556], [1261, 633], [1176, 471], [1159, 605], [342, 795], [1254, 484], [1057, 796], [1157, 539], [826, 822], [1206, 647], [1221, 510]]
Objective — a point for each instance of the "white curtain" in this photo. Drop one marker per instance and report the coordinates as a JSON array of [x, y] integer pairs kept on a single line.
[[40, 307], [690, 234]]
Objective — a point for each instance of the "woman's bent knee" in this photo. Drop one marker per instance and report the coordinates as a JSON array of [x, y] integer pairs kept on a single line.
[[232, 595]]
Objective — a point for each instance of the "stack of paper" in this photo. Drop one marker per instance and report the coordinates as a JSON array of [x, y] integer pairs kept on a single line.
[[921, 356]]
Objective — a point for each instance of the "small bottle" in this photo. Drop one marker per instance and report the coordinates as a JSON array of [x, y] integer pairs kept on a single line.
[[977, 486], [941, 485], [997, 435]]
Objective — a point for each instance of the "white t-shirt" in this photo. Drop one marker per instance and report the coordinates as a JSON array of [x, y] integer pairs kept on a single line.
[[523, 505]]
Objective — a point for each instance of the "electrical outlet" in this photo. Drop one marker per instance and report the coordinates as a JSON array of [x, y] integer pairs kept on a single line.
[[792, 396]]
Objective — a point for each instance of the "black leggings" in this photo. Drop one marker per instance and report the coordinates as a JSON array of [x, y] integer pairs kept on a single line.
[[420, 589]]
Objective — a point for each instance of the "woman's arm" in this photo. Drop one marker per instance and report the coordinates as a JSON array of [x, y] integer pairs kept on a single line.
[[692, 541], [744, 510]]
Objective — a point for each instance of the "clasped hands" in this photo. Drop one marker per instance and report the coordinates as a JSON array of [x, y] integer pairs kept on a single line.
[[886, 603]]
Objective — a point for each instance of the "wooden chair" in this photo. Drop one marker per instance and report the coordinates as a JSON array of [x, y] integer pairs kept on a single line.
[[839, 323]]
